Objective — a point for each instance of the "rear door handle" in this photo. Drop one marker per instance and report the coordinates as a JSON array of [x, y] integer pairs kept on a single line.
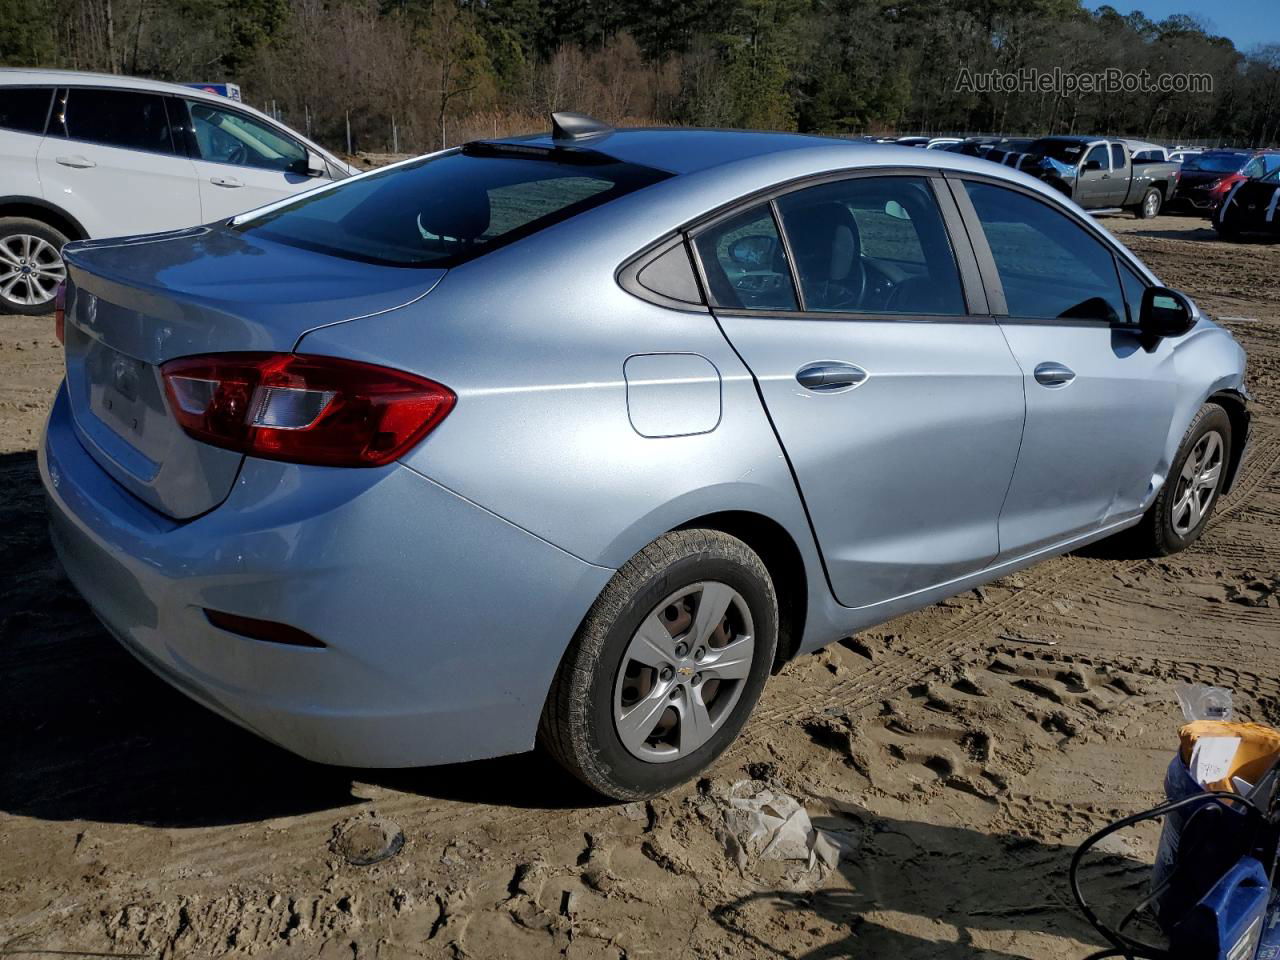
[[76, 160], [225, 182], [1053, 374], [829, 376]]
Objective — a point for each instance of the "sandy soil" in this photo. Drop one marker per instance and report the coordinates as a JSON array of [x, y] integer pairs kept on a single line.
[[962, 751]]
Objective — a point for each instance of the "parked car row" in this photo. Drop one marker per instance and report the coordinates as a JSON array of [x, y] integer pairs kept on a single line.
[[1102, 173]]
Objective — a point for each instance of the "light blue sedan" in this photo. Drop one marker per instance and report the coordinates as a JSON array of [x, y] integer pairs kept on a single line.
[[574, 439]]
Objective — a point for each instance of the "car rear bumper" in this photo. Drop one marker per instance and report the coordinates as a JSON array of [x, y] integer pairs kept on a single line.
[[442, 623]]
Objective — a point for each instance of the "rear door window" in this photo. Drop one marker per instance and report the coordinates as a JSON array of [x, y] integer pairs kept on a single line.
[[115, 118], [441, 211], [1050, 266], [24, 109]]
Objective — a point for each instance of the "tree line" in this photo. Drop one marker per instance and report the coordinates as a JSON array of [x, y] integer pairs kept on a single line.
[[426, 73]]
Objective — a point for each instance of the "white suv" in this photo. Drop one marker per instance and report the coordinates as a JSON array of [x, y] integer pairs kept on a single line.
[[86, 155]]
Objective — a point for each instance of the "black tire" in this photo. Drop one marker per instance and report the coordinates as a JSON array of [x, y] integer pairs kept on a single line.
[[14, 227], [1155, 535], [1150, 205], [577, 726]]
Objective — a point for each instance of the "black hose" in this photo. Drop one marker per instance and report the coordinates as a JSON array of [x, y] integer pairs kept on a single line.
[[1123, 945]]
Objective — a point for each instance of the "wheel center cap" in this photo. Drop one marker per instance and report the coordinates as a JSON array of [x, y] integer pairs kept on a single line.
[[685, 671]]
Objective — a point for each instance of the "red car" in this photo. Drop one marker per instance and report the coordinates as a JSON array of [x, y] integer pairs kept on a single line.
[[1208, 177]]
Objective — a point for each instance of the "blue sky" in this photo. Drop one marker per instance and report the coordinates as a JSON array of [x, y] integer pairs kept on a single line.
[[1247, 22]]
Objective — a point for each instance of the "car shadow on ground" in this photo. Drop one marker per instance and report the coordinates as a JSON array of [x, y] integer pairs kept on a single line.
[[91, 734], [950, 892]]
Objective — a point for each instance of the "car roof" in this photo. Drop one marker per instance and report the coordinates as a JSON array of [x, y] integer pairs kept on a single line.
[[1069, 138], [82, 78], [761, 160], [689, 149]]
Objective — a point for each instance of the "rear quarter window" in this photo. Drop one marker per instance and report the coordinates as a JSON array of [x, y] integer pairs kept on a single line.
[[445, 210], [24, 109]]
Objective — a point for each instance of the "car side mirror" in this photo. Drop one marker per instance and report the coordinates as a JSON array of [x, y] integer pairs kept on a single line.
[[755, 251], [316, 167], [1165, 313], [1092, 165]]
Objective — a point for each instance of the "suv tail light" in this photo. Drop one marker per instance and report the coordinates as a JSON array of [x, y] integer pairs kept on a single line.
[[304, 409], [60, 312]]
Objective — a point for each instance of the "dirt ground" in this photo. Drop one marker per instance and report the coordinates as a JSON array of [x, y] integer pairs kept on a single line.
[[960, 752]]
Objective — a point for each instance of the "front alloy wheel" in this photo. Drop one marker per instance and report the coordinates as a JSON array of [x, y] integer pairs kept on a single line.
[[1198, 483], [1181, 510]]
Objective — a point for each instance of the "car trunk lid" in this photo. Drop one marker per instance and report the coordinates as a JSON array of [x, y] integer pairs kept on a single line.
[[135, 304]]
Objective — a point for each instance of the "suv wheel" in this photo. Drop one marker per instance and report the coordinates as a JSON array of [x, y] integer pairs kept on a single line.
[[666, 667], [1181, 511], [30, 265]]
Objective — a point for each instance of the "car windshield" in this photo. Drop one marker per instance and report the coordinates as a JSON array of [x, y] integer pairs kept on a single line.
[[1272, 177], [1216, 162], [441, 211]]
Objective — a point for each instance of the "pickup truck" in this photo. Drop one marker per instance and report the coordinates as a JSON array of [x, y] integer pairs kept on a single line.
[[1101, 174]]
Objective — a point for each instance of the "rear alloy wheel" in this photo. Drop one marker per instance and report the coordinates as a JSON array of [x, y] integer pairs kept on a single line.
[[683, 672], [31, 265], [666, 667], [1181, 510], [1150, 205]]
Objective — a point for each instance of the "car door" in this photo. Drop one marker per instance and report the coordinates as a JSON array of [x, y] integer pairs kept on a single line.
[[1093, 181], [1098, 405], [110, 160], [23, 114], [241, 161], [893, 393]]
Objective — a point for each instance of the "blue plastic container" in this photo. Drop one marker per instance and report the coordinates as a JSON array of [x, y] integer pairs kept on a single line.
[[1226, 924], [1269, 947]]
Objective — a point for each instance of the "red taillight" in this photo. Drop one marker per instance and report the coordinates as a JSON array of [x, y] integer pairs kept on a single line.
[[319, 410], [60, 312]]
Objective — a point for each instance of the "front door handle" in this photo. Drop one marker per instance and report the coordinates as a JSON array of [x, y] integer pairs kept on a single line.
[[75, 160], [829, 376], [1053, 374], [225, 182]]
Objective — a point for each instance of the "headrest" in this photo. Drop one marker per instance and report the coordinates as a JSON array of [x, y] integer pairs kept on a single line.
[[824, 239]]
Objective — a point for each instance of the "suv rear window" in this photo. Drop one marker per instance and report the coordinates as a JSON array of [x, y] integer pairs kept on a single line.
[[115, 118], [25, 108], [441, 211]]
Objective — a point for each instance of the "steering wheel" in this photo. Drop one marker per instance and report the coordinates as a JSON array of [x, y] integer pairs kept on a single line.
[[237, 154], [841, 295]]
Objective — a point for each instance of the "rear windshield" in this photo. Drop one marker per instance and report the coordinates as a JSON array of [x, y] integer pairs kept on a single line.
[[1064, 151], [1216, 162], [444, 210]]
